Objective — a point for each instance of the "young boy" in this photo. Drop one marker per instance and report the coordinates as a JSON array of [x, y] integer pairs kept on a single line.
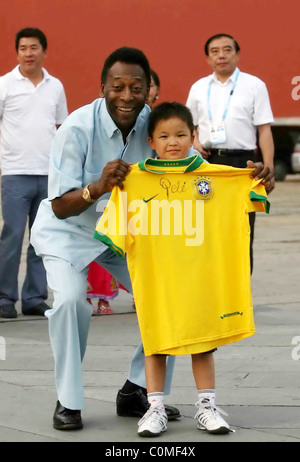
[[186, 233]]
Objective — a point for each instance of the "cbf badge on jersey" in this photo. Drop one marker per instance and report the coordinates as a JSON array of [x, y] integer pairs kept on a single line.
[[203, 187]]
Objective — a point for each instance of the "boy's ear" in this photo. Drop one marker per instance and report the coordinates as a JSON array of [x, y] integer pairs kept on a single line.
[[147, 96], [150, 141]]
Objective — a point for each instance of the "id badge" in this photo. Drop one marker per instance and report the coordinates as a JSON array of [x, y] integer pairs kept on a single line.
[[217, 133]]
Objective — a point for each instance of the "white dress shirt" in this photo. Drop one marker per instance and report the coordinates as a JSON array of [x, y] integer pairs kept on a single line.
[[248, 108], [28, 118]]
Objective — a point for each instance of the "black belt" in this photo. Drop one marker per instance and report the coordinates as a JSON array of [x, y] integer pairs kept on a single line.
[[232, 152]]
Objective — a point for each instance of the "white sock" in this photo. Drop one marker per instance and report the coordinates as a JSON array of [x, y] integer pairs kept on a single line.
[[207, 396], [156, 399]]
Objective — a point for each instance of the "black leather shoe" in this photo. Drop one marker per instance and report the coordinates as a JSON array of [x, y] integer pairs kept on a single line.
[[136, 405], [8, 311], [172, 412], [38, 310], [66, 419]]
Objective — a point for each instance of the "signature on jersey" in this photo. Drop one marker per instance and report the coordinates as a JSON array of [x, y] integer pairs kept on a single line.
[[169, 187]]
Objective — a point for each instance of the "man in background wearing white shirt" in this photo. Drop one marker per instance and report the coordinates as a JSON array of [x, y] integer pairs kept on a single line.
[[32, 106], [229, 109]]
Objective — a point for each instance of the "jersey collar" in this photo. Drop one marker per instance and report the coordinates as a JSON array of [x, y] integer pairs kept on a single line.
[[188, 164]]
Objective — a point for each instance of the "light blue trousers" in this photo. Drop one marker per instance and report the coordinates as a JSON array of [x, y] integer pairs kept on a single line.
[[69, 321]]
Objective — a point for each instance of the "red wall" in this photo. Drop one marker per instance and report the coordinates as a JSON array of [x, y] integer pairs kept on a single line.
[[81, 33]]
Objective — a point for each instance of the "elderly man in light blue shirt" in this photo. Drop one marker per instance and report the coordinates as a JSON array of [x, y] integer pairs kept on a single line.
[[90, 154], [87, 141]]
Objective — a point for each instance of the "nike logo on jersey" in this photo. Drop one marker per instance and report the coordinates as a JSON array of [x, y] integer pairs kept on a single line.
[[148, 200]]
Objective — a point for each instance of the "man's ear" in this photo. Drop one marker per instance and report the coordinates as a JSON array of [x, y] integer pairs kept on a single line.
[[209, 61], [101, 92]]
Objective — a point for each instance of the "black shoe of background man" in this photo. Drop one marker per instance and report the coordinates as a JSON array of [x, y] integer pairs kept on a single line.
[[66, 419], [136, 405], [8, 311], [37, 310]]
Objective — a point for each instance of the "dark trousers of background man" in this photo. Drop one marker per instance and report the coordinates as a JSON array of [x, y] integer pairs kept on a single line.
[[20, 198], [238, 160]]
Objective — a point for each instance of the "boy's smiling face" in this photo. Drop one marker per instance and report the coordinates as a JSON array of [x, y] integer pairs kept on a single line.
[[171, 139]]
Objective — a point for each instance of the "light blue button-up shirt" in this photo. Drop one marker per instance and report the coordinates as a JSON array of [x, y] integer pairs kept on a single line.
[[83, 145]]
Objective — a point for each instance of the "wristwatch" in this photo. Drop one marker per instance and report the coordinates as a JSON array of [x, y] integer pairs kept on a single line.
[[87, 195]]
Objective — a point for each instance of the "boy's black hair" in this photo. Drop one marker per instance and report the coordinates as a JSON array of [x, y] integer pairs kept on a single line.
[[167, 110], [31, 32], [155, 78], [217, 36], [127, 55]]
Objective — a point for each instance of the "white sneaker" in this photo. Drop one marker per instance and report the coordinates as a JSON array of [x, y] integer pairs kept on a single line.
[[209, 418], [153, 423]]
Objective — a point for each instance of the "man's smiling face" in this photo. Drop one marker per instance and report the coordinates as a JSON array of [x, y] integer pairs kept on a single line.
[[30, 55], [125, 92]]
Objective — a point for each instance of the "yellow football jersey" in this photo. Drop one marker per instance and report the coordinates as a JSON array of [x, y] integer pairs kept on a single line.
[[185, 228]]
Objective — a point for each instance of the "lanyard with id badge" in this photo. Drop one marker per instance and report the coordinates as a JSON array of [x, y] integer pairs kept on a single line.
[[217, 129]]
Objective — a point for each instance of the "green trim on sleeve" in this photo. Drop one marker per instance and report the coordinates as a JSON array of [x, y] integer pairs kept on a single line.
[[107, 241], [259, 198]]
